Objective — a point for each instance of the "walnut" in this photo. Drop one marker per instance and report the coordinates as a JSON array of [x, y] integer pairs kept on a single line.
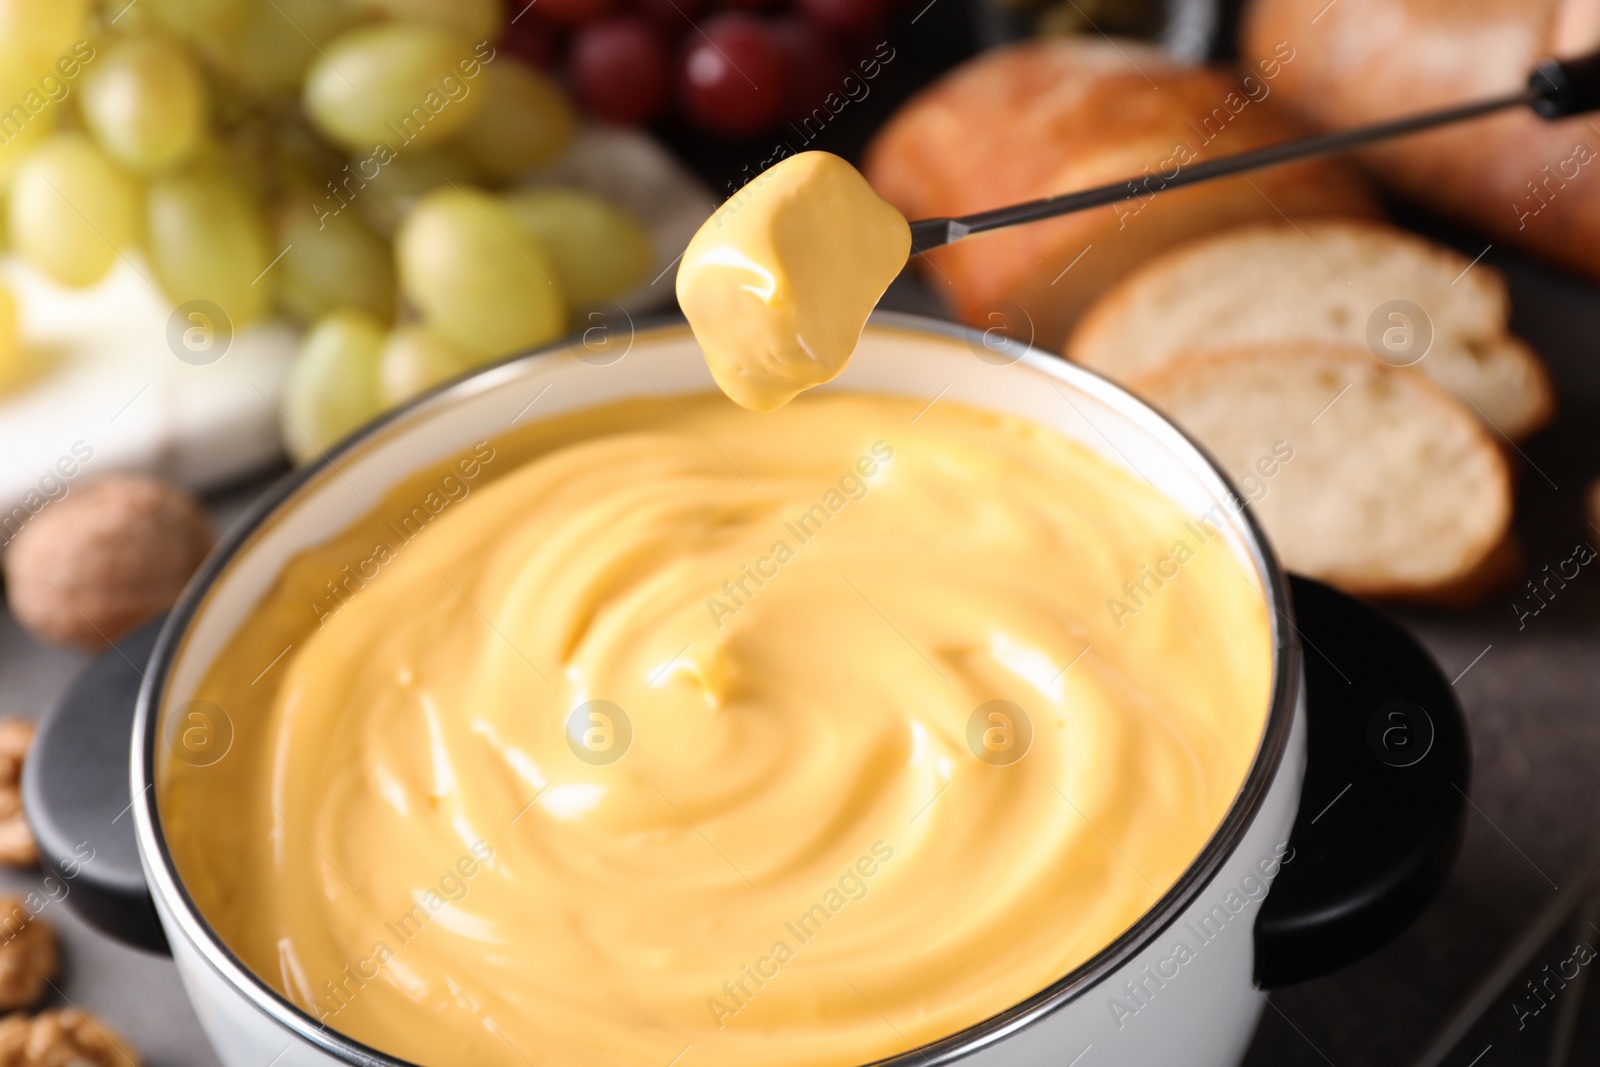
[[66, 1038], [105, 558], [28, 955], [16, 840]]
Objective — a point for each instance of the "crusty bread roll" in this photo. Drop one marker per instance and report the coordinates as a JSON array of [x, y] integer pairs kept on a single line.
[[1521, 179], [1367, 476], [1058, 115], [1339, 281]]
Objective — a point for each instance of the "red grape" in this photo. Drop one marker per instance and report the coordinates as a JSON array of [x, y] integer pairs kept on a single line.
[[815, 69], [745, 5], [848, 18], [621, 70], [571, 12], [734, 77]]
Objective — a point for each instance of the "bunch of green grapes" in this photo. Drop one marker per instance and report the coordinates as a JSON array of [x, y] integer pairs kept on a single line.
[[354, 165]]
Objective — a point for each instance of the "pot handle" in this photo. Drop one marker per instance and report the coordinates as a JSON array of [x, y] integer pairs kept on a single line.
[[76, 796], [1381, 807]]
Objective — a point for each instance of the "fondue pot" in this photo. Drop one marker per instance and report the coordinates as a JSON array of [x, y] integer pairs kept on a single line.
[[1346, 823]]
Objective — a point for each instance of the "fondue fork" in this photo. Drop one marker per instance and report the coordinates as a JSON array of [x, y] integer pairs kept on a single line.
[[1556, 89]]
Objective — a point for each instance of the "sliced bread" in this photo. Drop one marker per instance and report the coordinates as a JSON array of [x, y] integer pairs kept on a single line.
[[1364, 475], [1340, 281]]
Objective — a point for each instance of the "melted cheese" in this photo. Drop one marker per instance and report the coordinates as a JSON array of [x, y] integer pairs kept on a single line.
[[779, 282], [669, 734]]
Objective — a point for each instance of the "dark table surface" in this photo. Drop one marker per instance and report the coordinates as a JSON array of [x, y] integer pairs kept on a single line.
[[1530, 693]]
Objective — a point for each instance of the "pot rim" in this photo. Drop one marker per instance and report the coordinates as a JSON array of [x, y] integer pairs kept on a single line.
[[1247, 802]]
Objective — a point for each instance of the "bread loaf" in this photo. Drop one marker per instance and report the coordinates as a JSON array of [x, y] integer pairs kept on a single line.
[[1358, 283], [1059, 115], [1520, 179], [1367, 476]]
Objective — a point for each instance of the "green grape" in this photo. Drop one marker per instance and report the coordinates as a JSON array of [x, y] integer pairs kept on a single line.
[[15, 150], [130, 17], [332, 386], [476, 20], [476, 276], [600, 250], [71, 211], [35, 33], [416, 359], [276, 41], [12, 364], [334, 261], [145, 102], [195, 19], [207, 241], [396, 186], [405, 85], [525, 123]]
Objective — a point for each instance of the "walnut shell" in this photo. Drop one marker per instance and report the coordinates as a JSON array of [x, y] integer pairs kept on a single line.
[[17, 847], [68, 1038], [28, 955], [105, 558], [16, 737]]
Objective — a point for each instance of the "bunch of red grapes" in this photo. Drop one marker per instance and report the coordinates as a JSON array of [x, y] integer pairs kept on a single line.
[[735, 68]]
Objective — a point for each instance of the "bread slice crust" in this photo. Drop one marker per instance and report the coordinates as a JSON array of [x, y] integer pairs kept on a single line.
[[1390, 488]]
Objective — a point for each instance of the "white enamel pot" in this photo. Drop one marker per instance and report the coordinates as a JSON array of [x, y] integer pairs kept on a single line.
[[1344, 827]]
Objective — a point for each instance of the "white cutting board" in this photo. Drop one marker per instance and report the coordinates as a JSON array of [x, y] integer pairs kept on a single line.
[[116, 389]]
